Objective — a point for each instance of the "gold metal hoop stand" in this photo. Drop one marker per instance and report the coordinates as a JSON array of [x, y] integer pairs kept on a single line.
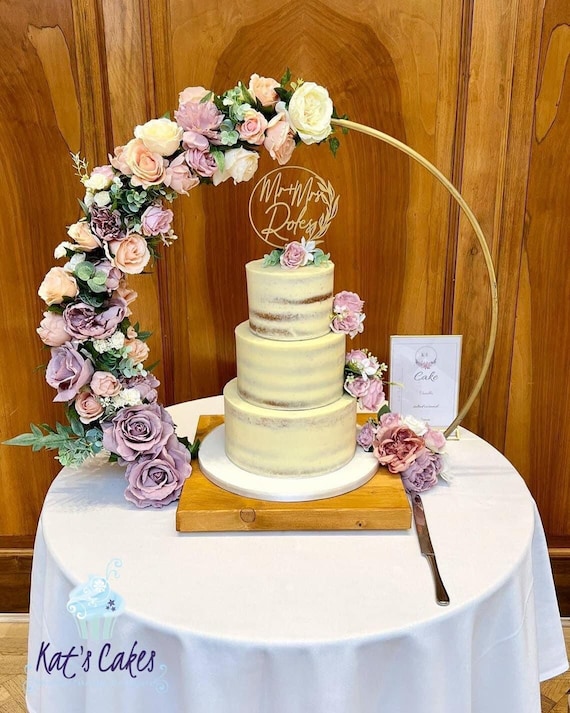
[[482, 242]]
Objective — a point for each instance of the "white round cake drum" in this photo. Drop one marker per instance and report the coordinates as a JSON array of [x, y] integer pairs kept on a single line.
[[218, 468]]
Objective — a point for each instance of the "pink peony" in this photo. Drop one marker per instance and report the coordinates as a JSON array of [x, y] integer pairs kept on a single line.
[[88, 407], [156, 220], [52, 330], [203, 118], [397, 448], [295, 255], [252, 129], [347, 302], [356, 386], [279, 140], [374, 398]]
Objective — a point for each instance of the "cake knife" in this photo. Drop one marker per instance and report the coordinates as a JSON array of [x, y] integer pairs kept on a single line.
[[426, 548]]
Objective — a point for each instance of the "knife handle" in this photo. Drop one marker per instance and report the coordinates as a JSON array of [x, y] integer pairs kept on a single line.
[[441, 595]]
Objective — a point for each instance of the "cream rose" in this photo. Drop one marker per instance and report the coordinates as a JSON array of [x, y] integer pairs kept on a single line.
[[240, 164], [263, 89], [160, 136], [148, 167], [81, 233], [131, 255], [57, 285], [310, 112]]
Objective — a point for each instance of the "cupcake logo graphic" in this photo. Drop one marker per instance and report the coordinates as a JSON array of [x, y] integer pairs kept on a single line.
[[426, 357], [95, 607]]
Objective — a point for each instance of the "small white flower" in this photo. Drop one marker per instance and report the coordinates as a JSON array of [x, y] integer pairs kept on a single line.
[[61, 249], [116, 340], [131, 397], [88, 200], [102, 198], [415, 425]]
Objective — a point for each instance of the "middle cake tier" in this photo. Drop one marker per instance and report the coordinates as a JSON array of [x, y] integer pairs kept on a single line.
[[289, 375]]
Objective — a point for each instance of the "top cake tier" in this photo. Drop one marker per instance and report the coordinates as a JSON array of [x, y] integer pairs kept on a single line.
[[288, 305]]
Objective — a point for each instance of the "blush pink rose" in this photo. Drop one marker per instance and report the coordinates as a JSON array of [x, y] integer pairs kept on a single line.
[[252, 129], [390, 420], [131, 255], [52, 330], [194, 140], [263, 89], [147, 167], [124, 291], [374, 398], [350, 323], [103, 383], [435, 440], [398, 448], [119, 162], [279, 140], [356, 386], [88, 407], [347, 302], [57, 285], [156, 220], [294, 256], [192, 94], [179, 177]]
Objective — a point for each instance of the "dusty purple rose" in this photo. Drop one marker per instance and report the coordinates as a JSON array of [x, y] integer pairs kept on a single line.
[[83, 321], [157, 480], [201, 117], [114, 275], [374, 398], [156, 220], [137, 430], [67, 371], [145, 385], [201, 162], [422, 473], [397, 448], [295, 255], [106, 224], [366, 435]]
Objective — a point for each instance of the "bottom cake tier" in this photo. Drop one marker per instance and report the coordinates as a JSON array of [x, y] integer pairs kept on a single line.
[[289, 443]]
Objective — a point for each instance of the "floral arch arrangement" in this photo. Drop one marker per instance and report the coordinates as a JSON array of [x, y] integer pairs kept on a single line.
[[98, 354]]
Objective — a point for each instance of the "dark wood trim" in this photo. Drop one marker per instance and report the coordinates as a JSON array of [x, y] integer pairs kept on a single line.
[[17, 542], [561, 572], [15, 579]]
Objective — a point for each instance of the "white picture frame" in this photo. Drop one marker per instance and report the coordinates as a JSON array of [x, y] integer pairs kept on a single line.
[[424, 377]]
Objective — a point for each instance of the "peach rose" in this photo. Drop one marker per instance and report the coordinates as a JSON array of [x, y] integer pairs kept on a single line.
[[126, 293], [103, 383], [279, 140], [147, 167], [52, 330], [118, 161], [192, 94], [81, 233], [160, 136], [138, 350], [57, 285], [88, 407], [131, 255], [263, 89], [252, 129]]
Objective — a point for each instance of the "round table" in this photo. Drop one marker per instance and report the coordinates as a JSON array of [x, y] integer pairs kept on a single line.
[[295, 622]]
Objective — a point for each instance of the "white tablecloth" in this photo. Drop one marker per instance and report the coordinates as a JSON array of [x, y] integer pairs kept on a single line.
[[334, 622]]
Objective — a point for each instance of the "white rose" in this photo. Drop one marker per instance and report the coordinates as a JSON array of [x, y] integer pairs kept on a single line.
[[88, 200], [61, 249], [160, 136], [102, 198], [415, 425], [96, 182], [310, 112], [240, 164]]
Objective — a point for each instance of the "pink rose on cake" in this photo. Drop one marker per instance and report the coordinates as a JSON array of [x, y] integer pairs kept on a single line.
[[295, 255], [348, 317], [374, 398]]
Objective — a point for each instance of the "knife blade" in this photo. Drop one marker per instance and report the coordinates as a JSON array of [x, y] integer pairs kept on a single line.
[[426, 548]]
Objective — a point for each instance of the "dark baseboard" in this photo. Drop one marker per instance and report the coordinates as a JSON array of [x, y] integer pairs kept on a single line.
[[15, 578], [560, 560]]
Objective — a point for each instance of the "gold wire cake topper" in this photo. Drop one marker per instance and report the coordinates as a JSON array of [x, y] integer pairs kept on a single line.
[[290, 203]]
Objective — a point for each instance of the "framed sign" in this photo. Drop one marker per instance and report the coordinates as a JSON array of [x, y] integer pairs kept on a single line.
[[424, 376]]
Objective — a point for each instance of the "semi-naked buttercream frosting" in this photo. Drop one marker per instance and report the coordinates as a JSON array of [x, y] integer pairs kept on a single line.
[[302, 374], [289, 304], [284, 443]]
